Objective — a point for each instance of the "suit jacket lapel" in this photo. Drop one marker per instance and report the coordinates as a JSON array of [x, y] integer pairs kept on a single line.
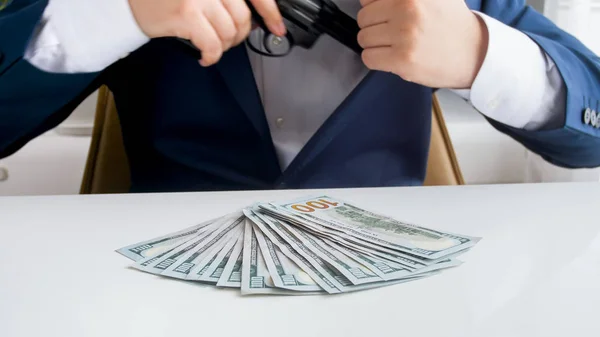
[[236, 72], [333, 125], [375, 91]]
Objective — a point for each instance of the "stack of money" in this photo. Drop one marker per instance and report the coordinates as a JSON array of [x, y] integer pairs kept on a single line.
[[315, 245]]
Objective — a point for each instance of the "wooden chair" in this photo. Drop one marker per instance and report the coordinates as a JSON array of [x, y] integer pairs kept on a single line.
[[107, 169]]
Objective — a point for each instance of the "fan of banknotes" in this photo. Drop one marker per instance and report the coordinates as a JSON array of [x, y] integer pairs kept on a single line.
[[314, 245]]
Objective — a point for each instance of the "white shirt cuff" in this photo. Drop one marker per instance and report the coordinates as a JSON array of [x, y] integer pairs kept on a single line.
[[84, 36], [518, 84]]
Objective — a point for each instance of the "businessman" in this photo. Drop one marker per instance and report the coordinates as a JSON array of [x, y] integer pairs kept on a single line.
[[318, 118]]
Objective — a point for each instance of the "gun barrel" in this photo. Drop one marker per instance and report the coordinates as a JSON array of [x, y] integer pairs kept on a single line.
[[339, 25]]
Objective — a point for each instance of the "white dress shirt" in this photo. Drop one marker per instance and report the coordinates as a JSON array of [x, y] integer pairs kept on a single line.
[[518, 84]]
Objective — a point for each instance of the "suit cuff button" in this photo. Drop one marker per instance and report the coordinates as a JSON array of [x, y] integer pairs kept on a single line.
[[587, 116]]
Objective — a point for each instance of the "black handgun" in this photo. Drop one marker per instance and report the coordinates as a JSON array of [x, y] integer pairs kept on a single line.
[[305, 21]]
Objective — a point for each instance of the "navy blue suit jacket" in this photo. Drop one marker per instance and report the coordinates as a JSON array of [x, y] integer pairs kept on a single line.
[[187, 127]]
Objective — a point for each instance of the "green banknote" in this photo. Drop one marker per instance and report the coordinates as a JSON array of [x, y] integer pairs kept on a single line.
[[284, 272], [378, 229], [164, 261], [354, 272], [342, 283], [193, 261], [156, 246], [255, 276], [214, 270], [231, 277], [406, 259], [317, 274], [209, 256]]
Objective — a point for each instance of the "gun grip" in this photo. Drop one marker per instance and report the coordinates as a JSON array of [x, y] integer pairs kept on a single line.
[[192, 50]]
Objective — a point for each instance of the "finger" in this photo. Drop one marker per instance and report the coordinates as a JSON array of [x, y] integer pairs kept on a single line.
[[222, 22], [205, 38], [240, 13], [374, 14], [269, 11], [378, 58], [375, 36]]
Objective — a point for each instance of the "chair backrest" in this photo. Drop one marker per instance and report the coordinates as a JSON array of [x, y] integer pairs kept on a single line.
[[442, 164], [107, 169]]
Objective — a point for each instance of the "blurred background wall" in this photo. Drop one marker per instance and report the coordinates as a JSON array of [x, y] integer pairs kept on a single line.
[[54, 162]]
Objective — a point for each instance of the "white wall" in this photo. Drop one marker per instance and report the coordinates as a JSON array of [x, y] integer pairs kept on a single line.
[[485, 155], [82, 118]]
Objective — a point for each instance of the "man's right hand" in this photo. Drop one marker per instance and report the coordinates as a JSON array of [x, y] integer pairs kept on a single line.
[[213, 26]]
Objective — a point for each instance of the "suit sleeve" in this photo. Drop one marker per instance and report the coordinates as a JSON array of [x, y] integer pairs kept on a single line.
[[32, 101], [575, 143]]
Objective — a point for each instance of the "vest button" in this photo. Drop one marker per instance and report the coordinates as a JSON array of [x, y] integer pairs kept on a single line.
[[279, 122]]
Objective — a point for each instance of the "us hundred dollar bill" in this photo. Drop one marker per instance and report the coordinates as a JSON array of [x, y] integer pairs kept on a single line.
[[385, 270], [148, 261], [231, 277], [215, 269], [255, 276], [163, 261], [161, 244], [342, 282], [378, 229], [353, 271], [354, 242], [338, 279], [200, 270], [387, 257], [195, 259], [315, 273], [284, 272]]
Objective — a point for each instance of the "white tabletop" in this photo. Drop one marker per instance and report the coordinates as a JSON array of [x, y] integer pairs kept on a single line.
[[535, 273]]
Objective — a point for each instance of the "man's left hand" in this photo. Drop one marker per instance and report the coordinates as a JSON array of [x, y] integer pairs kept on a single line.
[[436, 43]]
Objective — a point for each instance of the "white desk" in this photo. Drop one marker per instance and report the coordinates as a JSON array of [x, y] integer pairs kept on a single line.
[[535, 273]]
